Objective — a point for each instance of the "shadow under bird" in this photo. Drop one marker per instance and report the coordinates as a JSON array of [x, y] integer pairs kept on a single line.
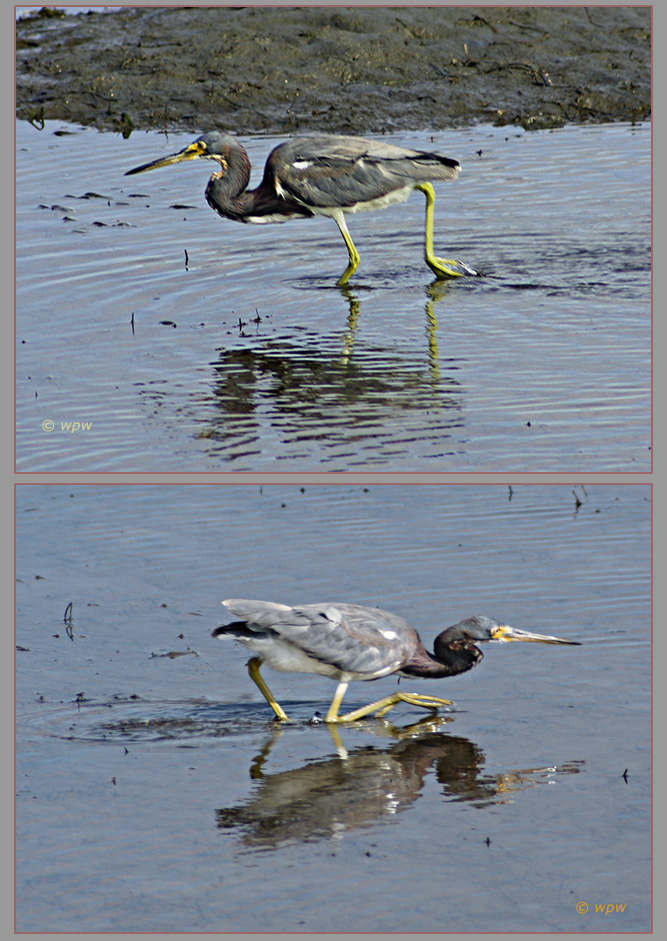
[[322, 175], [350, 642]]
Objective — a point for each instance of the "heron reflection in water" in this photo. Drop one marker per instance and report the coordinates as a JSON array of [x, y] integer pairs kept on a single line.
[[349, 642], [329, 798], [321, 175]]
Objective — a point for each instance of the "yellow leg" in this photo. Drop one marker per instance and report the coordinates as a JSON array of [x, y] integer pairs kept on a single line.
[[414, 699], [253, 671], [381, 706], [351, 250], [441, 267], [332, 714]]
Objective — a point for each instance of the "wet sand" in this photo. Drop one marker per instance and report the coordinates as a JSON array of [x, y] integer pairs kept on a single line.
[[349, 70]]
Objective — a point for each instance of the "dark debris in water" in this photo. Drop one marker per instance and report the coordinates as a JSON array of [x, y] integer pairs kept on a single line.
[[173, 654]]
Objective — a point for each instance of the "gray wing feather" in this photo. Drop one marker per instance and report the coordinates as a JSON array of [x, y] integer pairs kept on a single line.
[[334, 171], [261, 613], [350, 637]]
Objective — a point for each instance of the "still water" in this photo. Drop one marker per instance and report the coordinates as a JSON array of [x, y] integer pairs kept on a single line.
[[156, 793], [156, 336]]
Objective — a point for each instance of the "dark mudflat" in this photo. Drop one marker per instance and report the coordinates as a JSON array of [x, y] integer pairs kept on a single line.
[[350, 70]]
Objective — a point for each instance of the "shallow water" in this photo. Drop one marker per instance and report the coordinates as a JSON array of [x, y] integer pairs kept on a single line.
[[250, 358], [155, 793]]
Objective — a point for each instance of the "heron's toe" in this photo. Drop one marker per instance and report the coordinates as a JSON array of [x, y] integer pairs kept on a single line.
[[448, 268]]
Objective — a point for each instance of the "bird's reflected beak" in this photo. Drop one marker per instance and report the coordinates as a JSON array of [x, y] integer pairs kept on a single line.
[[191, 152], [504, 633]]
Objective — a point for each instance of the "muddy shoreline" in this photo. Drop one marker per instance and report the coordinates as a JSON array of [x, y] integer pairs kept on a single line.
[[339, 69]]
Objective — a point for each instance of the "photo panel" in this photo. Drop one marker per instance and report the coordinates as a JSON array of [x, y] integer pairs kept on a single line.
[[149, 759]]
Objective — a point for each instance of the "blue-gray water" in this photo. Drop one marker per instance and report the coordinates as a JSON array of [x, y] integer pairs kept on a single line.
[[155, 793], [250, 358]]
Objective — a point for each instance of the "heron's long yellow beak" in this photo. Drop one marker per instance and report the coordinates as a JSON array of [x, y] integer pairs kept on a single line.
[[505, 633], [191, 152]]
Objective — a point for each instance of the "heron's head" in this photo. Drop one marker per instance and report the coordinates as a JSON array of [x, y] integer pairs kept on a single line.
[[216, 145], [483, 629]]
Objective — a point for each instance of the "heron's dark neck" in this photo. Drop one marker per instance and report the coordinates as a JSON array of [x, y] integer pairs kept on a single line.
[[227, 193], [226, 190], [452, 656]]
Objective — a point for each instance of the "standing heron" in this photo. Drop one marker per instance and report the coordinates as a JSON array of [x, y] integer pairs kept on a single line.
[[323, 175], [349, 642]]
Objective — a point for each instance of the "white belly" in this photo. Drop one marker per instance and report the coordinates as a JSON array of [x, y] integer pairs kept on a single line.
[[286, 658], [389, 199]]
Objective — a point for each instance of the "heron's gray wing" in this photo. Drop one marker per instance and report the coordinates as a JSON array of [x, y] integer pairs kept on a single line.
[[341, 172], [350, 637], [262, 613], [292, 624]]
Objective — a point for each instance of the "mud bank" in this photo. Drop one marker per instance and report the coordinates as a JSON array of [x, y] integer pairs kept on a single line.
[[343, 69]]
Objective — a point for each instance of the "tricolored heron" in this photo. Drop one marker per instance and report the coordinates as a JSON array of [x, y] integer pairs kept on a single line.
[[323, 175], [349, 642]]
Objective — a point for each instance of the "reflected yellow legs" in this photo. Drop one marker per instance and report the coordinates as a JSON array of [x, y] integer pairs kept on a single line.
[[380, 707]]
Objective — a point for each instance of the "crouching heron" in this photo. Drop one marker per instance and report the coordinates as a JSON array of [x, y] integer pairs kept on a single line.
[[323, 175], [349, 642]]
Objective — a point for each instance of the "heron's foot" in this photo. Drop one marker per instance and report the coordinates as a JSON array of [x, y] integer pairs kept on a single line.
[[415, 699], [448, 268], [382, 706]]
